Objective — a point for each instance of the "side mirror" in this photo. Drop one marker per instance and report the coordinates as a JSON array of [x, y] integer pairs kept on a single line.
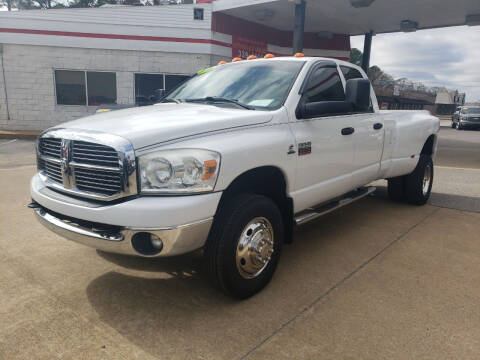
[[357, 92], [324, 108]]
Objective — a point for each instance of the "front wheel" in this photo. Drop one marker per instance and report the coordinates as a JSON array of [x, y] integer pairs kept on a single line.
[[453, 124], [459, 126], [244, 245]]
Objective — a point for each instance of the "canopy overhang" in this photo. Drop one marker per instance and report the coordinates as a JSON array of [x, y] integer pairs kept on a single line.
[[356, 17]]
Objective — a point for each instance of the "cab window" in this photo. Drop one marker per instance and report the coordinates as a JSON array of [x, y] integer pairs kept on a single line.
[[350, 73], [324, 85]]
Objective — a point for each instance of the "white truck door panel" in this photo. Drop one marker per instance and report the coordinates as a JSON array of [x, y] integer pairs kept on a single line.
[[325, 172], [324, 155], [369, 135]]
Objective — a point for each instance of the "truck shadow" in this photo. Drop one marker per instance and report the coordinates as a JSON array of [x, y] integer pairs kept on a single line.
[[168, 308], [450, 201]]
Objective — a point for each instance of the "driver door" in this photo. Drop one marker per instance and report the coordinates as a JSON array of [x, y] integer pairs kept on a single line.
[[325, 147]]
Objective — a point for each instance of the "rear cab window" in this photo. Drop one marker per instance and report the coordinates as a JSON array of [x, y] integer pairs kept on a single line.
[[350, 73], [324, 84]]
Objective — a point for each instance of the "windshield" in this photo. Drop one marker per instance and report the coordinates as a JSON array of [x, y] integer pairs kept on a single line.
[[471, 110], [257, 85]]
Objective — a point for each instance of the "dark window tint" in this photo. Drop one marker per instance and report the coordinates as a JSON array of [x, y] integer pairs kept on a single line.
[[101, 88], [325, 85], [148, 87], [350, 73], [198, 14], [70, 87]]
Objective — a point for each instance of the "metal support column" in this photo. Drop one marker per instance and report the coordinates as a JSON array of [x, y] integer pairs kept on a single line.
[[367, 49], [299, 29]]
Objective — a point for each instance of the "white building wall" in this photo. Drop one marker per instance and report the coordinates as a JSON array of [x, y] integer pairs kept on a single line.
[[143, 20], [29, 76], [3, 99]]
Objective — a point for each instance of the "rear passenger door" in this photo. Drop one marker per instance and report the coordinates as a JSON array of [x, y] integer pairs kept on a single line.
[[324, 155], [369, 137]]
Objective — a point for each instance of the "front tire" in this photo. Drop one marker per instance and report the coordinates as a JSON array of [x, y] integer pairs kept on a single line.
[[459, 126], [453, 124], [244, 245]]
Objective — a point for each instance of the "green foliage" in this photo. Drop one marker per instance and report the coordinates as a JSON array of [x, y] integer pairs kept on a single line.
[[379, 78], [375, 74], [32, 4], [356, 57], [90, 3]]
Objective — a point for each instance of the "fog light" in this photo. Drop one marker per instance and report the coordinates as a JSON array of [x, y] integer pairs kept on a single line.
[[156, 242], [147, 244]]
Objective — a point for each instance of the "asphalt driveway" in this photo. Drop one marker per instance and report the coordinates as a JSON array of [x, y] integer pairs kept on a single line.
[[373, 280]]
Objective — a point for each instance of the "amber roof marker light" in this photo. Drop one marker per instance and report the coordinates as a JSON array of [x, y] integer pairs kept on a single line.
[[223, 62], [299, 54], [269, 56], [237, 59], [252, 57]]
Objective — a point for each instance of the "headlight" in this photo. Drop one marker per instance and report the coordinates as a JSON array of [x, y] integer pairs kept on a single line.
[[178, 171]]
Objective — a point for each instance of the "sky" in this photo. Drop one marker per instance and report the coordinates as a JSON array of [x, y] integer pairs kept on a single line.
[[447, 57]]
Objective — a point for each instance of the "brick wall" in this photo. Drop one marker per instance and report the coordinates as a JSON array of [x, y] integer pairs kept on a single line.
[[29, 78]]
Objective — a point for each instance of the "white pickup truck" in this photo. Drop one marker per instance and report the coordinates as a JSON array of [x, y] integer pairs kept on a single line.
[[230, 162]]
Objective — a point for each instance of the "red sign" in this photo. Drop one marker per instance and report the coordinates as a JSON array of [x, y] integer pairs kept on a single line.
[[243, 47]]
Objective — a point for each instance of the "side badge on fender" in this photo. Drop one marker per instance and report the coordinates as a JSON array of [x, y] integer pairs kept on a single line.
[[305, 148]]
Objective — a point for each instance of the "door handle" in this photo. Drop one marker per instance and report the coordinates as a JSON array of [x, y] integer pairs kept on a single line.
[[377, 126], [348, 131]]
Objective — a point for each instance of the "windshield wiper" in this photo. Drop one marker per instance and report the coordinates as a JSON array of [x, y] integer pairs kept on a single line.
[[171, 100], [217, 99]]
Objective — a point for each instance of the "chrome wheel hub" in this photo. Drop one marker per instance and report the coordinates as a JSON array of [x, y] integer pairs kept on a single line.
[[427, 178], [255, 248]]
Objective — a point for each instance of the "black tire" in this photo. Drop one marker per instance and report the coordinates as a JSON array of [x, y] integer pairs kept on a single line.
[[453, 124], [221, 250], [414, 183], [459, 126], [396, 188]]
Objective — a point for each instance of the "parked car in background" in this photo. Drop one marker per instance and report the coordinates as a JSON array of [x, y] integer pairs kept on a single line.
[[466, 117], [231, 162]]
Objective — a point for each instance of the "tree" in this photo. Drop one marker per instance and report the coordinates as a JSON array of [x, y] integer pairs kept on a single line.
[[32, 4], [379, 78], [90, 3], [356, 57]]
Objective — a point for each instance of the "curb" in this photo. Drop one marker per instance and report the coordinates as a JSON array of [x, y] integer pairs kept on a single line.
[[24, 135]]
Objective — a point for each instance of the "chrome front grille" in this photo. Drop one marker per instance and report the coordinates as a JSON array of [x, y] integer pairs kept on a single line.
[[106, 182], [53, 171], [94, 154], [50, 147], [99, 166]]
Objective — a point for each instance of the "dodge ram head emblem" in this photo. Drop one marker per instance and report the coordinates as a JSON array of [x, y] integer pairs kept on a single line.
[[65, 153]]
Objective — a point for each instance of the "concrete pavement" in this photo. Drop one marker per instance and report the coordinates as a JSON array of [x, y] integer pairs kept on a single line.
[[375, 279]]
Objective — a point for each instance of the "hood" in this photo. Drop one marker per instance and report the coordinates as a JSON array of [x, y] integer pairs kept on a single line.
[[144, 126]]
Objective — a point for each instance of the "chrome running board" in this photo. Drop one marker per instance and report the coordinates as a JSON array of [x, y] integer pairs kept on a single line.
[[313, 213]]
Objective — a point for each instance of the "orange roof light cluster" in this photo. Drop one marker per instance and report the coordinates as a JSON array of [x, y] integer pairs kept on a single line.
[[252, 57], [299, 54], [236, 59], [269, 56], [222, 62]]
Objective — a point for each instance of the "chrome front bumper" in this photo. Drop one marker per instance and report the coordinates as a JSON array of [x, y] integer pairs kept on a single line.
[[176, 240]]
